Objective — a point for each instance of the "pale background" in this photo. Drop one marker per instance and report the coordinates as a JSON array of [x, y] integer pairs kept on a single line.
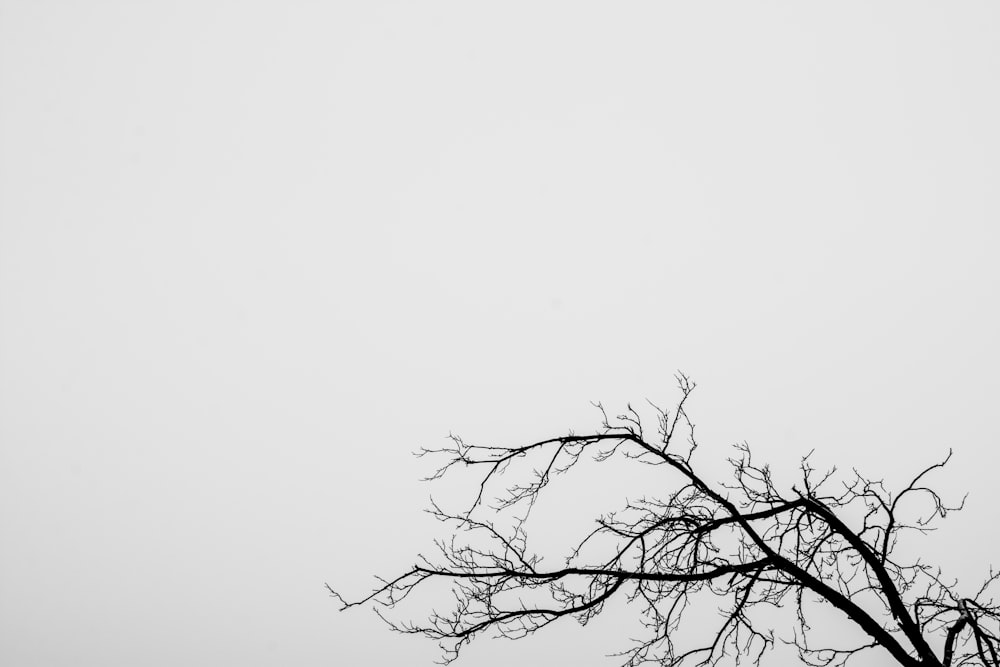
[[252, 254]]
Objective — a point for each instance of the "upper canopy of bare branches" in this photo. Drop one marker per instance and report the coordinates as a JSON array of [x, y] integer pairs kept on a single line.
[[753, 544]]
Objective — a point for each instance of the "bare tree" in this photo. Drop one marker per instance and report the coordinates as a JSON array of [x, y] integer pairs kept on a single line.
[[760, 549]]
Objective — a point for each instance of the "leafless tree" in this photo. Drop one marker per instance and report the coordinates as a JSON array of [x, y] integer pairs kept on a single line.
[[758, 547]]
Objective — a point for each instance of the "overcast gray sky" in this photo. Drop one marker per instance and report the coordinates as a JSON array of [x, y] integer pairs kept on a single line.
[[252, 254]]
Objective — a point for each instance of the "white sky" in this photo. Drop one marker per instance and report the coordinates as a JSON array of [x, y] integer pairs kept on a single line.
[[252, 254]]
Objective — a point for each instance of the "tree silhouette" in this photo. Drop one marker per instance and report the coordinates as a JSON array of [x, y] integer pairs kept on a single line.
[[757, 547]]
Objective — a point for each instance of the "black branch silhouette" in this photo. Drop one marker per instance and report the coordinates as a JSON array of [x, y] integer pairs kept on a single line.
[[757, 548]]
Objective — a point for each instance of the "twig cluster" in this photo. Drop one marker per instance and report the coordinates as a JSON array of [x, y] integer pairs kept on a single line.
[[754, 546]]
